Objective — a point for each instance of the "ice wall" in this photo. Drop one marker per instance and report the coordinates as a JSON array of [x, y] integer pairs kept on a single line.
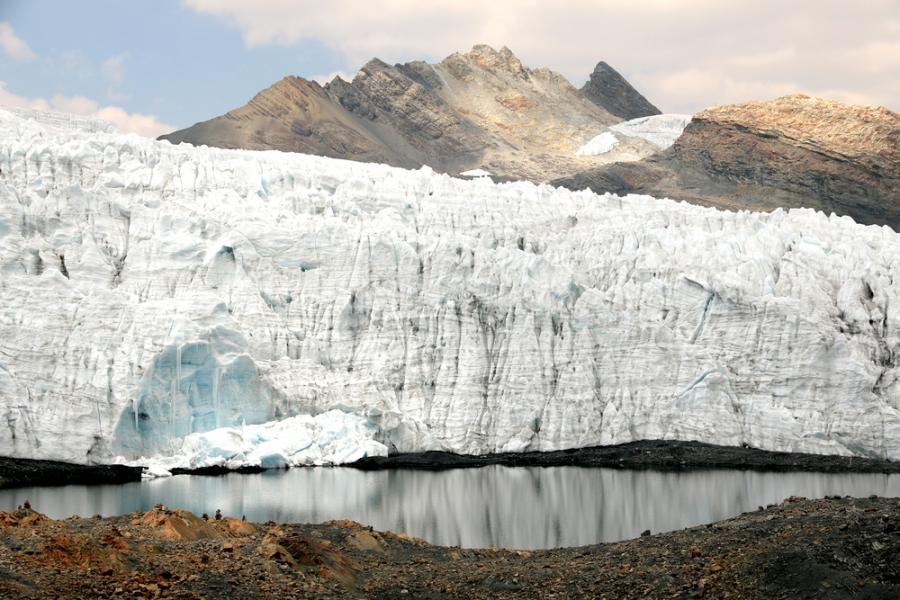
[[149, 292]]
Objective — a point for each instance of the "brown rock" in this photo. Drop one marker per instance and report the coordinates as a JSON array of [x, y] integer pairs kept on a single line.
[[238, 528], [481, 108], [278, 553], [179, 525], [366, 541], [790, 152]]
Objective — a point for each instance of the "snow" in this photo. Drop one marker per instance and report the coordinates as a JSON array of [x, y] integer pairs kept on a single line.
[[334, 437], [475, 173], [598, 145], [659, 130], [151, 294]]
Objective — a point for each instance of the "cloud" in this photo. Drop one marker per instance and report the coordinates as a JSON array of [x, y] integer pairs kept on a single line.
[[878, 56], [8, 99], [817, 46], [682, 86], [14, 46], [114, 68], [141, 124]]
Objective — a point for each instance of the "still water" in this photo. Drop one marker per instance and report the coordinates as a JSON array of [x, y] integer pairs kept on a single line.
[[520, 507]]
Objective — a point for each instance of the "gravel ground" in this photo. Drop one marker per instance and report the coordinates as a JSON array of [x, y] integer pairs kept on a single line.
[[833, 548]]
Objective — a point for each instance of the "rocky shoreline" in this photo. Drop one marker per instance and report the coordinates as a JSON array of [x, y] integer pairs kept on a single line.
[[20, 472], [647, 454], [665, 455], [832, 548]]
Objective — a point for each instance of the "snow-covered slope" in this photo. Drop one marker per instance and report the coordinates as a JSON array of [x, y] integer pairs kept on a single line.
[[149, 292], [658, 131], [598, 145]]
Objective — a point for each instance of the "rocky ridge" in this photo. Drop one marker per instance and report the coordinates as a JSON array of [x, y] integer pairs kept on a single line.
[[478, 109], [607, 88], [794, 151]]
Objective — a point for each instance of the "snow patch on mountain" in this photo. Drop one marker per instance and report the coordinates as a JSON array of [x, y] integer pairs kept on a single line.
[[659, 130], [150, 293], [598, 145]]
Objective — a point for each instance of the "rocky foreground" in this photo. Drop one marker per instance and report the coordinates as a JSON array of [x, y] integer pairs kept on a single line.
[[833, 548]]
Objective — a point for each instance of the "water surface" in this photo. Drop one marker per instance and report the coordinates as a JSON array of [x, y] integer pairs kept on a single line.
[[520, 507]]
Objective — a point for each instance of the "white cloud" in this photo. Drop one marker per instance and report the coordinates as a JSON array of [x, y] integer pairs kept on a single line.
[[14, 46], [141, 124], [114, 68], [8, 99], [750, 45], [682, 86], [878, 56], [765, 59]]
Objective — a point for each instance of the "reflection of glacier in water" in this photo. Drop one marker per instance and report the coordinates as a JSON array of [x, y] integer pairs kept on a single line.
[[491, 506]]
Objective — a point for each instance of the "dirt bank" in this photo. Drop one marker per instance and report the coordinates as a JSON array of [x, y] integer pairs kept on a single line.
[[834, 548]]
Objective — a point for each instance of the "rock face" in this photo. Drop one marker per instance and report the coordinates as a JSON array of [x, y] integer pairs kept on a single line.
[[789, 152], [481, 109], [609, 90], [150, 292]]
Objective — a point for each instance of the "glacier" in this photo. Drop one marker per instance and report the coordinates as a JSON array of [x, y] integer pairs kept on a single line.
[[658, 131], [331, 438], [169, 301]]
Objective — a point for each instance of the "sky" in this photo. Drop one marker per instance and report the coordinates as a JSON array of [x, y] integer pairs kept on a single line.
[[152, 66]]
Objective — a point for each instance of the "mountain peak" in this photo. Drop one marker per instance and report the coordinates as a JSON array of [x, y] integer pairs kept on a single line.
[[374, 65], [480, 108], [491, 59], [608, 89]]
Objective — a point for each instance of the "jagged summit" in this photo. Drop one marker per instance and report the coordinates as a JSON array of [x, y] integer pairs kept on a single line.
[[490, 59], [607, 88], [481, 109]]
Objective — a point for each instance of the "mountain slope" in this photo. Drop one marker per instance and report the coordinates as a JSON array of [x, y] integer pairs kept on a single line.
[[155, 298], [608, 89], [479, 109], [790, 152]]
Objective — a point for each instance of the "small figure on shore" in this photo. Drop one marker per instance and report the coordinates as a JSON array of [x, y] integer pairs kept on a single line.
[[27, 505], [205, 517], [218, 514], [243, 518]]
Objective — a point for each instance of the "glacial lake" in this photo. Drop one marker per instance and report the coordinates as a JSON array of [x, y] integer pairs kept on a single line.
[[518, 507]]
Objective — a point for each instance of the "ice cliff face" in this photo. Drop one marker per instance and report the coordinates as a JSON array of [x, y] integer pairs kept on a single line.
[[149, 292]]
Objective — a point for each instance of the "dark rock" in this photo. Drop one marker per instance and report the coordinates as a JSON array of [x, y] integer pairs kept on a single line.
[[656, 454], [609, 90], [20, 472]]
